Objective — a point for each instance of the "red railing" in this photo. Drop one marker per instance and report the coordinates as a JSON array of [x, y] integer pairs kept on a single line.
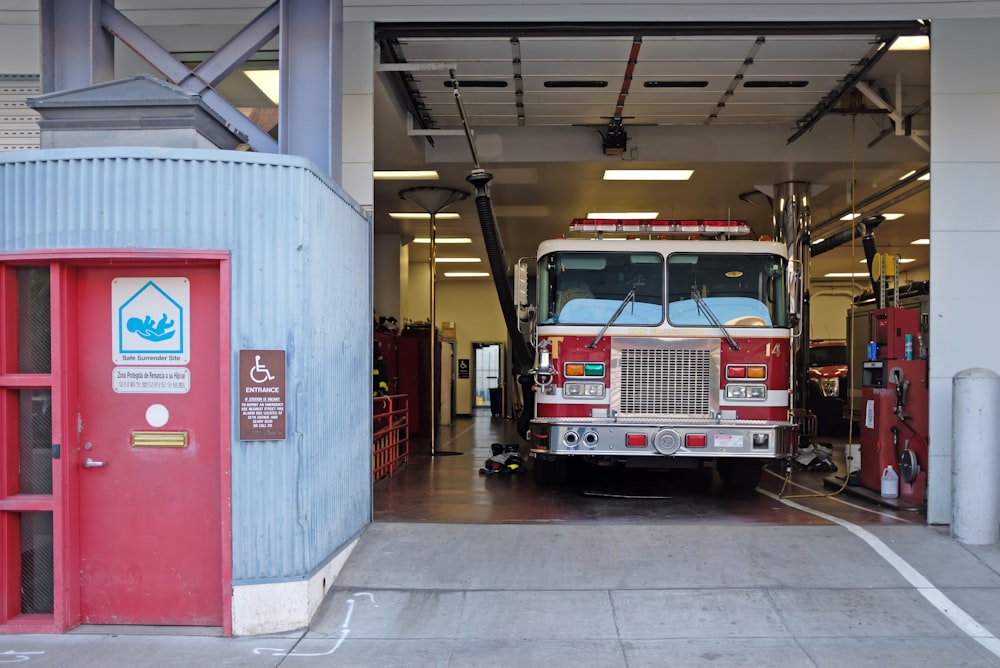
[[390, 435]]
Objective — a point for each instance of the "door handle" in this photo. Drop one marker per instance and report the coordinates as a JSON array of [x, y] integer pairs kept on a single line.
[[89, 463]]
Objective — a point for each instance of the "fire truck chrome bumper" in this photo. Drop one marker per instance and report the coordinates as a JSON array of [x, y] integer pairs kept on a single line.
[[718, 439]]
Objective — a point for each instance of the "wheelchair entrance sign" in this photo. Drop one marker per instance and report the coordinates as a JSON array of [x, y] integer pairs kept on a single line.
[[151, 321]]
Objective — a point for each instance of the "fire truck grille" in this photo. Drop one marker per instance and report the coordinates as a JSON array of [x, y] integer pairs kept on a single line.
[[665, 382]]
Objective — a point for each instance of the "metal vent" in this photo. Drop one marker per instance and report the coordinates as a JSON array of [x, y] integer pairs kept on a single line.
[[18, 123], [666, 382]]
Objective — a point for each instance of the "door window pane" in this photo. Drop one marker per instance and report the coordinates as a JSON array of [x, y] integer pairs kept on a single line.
[[35, 467], [37, 586], [34, 320]]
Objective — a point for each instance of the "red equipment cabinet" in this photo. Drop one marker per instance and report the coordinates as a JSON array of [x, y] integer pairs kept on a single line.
[[894, 408]]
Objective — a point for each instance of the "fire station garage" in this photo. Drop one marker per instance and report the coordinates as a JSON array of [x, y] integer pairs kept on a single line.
[[643, 293]]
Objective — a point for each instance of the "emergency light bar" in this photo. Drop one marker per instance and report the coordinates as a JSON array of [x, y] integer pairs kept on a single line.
[[660, 226]]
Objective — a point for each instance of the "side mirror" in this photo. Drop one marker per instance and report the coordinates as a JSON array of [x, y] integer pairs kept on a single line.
[[525, 312], [795, 287]]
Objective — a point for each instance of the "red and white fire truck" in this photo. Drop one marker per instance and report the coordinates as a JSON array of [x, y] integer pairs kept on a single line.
[[664, 352]]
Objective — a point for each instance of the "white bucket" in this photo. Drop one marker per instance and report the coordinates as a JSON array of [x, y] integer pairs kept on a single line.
[[890, 483]]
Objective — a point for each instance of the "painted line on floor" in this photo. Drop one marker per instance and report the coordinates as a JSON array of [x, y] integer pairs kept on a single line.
[[840, 499], [945, 605], [454, 437]]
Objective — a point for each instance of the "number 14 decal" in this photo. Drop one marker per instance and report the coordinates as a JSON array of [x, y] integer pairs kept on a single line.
[[772, 350]]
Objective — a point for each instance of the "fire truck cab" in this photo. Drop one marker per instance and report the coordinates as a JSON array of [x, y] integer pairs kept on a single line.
[[666, 353]]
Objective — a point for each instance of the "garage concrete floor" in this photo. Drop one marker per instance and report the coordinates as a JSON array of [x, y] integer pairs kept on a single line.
[[460, 570], [448, 488]]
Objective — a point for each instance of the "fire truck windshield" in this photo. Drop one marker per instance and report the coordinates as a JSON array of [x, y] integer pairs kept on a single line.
[[586, 288], [740, 290]]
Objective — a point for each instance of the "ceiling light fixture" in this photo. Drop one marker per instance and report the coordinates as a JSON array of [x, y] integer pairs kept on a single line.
[[575, 84], [674, 84], [842, 274], [457, 260], [647, 174], [902, 260], [407, 175], [466, 274], [886, 216], [624, 215], [920, 242], [409, 215], [783, 83], [266, 81], [911, 43], [925, 177], [443, 240]]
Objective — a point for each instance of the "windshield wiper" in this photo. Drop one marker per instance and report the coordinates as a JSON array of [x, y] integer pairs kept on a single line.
[[704, 308], [630, 297]]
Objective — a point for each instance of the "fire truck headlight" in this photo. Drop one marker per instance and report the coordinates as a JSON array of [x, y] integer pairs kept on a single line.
[[750, 392], [830, 386], [588, 390]]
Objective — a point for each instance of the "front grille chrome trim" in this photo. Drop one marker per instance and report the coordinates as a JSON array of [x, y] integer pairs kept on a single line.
[[676, 378]]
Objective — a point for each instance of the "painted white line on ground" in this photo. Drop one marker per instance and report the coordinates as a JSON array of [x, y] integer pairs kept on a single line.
[[840, 499], [945, 605]]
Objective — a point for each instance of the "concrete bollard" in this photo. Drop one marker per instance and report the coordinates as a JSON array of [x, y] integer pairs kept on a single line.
[[975, 463]]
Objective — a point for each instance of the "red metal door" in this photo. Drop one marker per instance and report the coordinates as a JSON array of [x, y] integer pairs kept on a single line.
[[148, 458]]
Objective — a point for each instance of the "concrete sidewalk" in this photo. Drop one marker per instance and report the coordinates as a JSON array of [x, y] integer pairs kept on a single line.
[[610, 595]]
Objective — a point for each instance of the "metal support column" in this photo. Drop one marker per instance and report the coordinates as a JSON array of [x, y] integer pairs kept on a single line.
[[433, 200], [76, 50], [311, 55], [792, 228]]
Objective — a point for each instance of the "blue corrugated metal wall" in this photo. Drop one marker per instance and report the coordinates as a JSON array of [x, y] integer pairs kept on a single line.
[[301, 267]]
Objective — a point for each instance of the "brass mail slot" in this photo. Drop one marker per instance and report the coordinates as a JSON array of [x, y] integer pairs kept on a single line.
[[159, 439]]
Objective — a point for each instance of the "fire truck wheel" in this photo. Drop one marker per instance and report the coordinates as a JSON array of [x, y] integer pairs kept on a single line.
[[740, 475], [552, 471]]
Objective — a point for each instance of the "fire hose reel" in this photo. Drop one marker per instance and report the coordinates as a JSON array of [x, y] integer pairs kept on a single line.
[[909, 467]]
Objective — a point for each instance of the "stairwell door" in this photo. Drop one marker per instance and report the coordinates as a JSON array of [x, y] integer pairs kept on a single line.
[[148, 460]]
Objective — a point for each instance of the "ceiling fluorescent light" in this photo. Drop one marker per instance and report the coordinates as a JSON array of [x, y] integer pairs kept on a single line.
[[575, 84], [841, 274], [403, 215], [674, 84], [266, 81], [920, 242], [911, 43], [782, 83], [647, 174], [443, 240], [466, 274], [887, 216], [902, 260], [407, 175], [457, 260], [624, 215]]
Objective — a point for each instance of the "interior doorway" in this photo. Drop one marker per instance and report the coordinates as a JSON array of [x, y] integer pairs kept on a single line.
[[487, 370]]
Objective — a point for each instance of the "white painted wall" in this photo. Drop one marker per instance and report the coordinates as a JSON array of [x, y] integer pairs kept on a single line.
[[472, 305], [965, 171]]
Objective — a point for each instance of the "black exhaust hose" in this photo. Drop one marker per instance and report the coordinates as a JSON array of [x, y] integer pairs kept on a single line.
[[835, 240], [871, 250], [522, 357]]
